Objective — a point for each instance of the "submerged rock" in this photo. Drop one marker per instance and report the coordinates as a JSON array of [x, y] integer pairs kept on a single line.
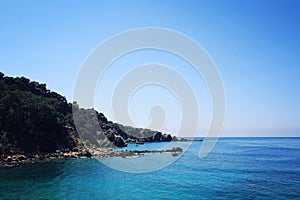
[[177, 149]]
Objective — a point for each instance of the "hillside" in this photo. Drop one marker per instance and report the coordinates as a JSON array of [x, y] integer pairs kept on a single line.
[[35, 120]]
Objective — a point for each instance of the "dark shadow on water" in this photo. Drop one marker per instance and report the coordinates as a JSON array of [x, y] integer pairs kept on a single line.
[[47, 180], [47, 170]]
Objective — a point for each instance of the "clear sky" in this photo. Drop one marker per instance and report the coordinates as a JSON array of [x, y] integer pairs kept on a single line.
[[255, 44]]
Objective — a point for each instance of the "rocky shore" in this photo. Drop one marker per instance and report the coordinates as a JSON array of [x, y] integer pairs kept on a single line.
[[18, 159]]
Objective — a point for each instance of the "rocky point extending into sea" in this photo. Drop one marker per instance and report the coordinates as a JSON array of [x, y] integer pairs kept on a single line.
[[18, 159]]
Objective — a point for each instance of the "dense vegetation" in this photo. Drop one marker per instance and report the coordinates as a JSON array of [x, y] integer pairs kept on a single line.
[[34, 119]]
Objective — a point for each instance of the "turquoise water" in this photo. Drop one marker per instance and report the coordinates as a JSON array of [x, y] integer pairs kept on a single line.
[[237, 168]]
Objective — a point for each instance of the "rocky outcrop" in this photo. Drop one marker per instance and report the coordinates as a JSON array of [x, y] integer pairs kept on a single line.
[[157, 137], [167, 138], [112, 134], [144, 135]]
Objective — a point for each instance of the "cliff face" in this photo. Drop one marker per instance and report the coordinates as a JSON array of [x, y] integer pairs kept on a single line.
[[144, 135], [111, 134], [34, 120]]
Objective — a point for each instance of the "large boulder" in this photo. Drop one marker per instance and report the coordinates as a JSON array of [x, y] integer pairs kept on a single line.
[[157, 137], [167, 138], [174, 139]]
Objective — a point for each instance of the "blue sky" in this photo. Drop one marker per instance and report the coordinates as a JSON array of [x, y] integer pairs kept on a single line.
[[255, 45]]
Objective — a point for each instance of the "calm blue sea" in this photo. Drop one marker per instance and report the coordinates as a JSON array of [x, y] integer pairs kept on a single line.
[[237, 168]]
